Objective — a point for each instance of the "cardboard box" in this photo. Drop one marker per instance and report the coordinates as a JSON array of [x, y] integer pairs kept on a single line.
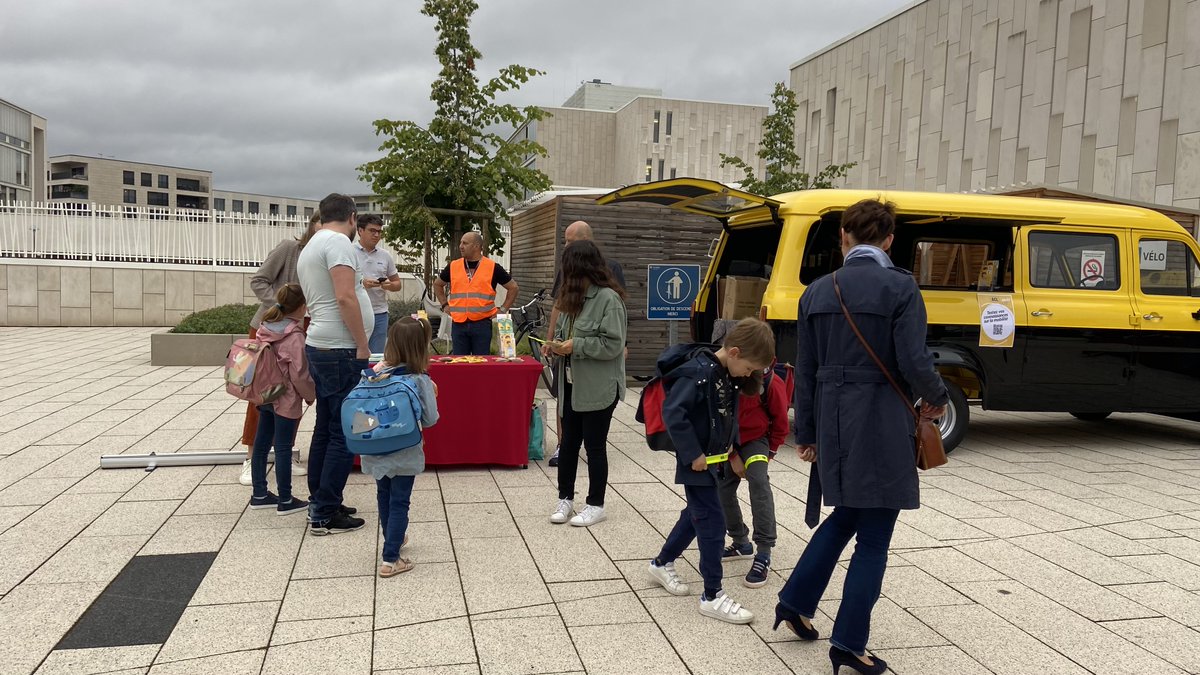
[[740, 297]]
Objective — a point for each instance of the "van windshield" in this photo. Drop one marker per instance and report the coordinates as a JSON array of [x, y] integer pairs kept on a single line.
[[942, 253]]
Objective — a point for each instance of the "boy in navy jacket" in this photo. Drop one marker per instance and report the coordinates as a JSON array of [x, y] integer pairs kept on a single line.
[[700, 413]]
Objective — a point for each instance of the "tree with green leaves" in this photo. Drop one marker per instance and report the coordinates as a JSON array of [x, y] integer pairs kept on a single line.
[[779, 150], [458, 162]]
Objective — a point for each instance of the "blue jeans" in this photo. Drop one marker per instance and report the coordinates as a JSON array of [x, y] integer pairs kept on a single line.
[[472, 338], [335, 372], [702, 520], [394, 494], [378, 338], [280, 431], [864, 580]]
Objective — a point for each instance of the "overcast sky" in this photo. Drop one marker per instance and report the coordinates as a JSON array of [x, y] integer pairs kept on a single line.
[[278, 96]]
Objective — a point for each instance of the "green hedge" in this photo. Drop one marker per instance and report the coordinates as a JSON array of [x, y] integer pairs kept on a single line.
[[224, 319]]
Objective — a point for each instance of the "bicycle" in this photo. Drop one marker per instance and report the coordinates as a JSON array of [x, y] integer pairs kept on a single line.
[[529, 320]]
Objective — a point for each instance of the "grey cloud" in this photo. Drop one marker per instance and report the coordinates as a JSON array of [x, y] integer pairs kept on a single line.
[[278, 96]]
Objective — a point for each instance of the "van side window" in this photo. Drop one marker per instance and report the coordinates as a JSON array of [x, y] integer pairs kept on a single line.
[[1167, 267], [1069, 260], [950, 264]]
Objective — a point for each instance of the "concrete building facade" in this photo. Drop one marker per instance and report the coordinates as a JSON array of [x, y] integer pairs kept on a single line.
[[956, 95], [79, 179], [22, 154], [633, 137]]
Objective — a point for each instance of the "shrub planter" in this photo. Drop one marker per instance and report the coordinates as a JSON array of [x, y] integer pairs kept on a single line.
[[190, 349]]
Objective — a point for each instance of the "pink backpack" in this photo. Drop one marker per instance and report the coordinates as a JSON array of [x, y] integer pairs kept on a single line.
[[253, 372]]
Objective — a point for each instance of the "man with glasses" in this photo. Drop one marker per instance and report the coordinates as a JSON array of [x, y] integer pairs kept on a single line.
[[379, 276]]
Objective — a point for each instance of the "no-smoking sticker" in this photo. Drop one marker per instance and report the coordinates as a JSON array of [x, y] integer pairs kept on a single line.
[[997, 321], [1091, 267]]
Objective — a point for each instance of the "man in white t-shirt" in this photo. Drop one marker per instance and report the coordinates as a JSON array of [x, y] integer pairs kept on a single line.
[[337, 352]]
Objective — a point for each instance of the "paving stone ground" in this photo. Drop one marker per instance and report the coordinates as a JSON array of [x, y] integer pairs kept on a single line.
[[1046, 545]]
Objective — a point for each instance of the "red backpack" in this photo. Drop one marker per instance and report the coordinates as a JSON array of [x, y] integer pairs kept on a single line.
[[654, 394], [253, 372]]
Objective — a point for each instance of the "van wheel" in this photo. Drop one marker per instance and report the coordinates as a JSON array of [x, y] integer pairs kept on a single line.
[[1091, 417], [953, 424]]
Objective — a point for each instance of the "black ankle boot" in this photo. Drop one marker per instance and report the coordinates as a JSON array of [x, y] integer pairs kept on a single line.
[[782, 615], [841, 657]]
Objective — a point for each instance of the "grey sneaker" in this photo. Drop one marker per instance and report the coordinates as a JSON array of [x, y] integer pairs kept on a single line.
[[589, 516], [563, 512], [723, 608], [668, 578]]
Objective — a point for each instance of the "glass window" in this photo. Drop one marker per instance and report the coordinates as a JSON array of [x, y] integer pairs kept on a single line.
[[1167, 268], [147, 180], [273, 209], [668, 122], [158, 199], [237, 206], [164, 181], [661, 167], [657, 114], [308, 212], [253, 207], [127, 177], [218, 203], [189, 184], [130, 195], [649, 169], [291, 210], [672, 172], [1069, 260], [951, 264]]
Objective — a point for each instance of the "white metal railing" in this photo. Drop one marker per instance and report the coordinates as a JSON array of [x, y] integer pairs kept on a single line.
[[158, 235]]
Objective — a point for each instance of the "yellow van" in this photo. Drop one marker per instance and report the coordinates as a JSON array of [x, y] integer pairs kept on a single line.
[[1103, 300]]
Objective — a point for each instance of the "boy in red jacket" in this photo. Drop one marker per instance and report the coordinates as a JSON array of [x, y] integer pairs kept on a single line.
[[763, 427]]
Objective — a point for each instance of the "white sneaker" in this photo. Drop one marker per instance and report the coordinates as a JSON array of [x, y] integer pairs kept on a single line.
[[298, 468], [563, 512], [247, 477], [668, 578], [589, 516], [723, 608]]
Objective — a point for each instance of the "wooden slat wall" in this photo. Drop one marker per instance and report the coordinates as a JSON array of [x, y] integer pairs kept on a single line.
[[534, 249], [637, 235]]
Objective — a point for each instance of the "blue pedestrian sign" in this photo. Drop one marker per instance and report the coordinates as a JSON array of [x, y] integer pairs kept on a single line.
[[671, 290]]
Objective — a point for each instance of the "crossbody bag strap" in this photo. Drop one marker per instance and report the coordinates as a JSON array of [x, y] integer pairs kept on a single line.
[[853, 326]]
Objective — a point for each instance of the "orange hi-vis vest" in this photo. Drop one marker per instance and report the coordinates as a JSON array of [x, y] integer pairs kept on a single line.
[[472, 297]]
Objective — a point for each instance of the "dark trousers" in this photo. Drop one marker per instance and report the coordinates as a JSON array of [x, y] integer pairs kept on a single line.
[[394, 494], [762, 499], [873, 529], [589, 430], [704, 521], [335, 372], [471, 338], [281, 432]]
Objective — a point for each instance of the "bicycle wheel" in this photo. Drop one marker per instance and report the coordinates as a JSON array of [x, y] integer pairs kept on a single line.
[[549, 376]]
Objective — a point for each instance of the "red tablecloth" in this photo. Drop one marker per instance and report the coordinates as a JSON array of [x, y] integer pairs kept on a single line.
[[484, 409]]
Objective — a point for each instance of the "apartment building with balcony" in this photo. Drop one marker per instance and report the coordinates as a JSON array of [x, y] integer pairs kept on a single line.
[[22, 154], [80, 179]]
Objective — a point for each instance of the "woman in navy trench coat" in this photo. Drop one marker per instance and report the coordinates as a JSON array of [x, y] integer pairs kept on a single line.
[[857, 430]]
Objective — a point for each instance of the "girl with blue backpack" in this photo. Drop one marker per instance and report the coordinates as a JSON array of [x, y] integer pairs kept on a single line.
[[396, 464]]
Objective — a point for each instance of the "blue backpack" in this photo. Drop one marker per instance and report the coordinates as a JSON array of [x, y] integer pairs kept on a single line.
[[383, 413]]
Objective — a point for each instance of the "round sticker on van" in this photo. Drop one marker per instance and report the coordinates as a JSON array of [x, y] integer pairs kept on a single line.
[[997, 322]]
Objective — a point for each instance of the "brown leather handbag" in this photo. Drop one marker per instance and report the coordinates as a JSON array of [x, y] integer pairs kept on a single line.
[[930, 453]]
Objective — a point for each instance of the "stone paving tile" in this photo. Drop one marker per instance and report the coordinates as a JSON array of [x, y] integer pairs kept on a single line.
[[237, 663], [1084, 525], [98, 660], [345, 655], [995, 643]]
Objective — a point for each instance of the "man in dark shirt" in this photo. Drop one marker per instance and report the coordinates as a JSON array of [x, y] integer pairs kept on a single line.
[[471, 304], [577, 231]]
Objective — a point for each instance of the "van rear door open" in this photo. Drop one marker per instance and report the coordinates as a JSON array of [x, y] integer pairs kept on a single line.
[[706, 198]]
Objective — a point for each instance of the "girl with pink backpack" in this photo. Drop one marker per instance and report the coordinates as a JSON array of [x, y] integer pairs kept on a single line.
[[282, 328]]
